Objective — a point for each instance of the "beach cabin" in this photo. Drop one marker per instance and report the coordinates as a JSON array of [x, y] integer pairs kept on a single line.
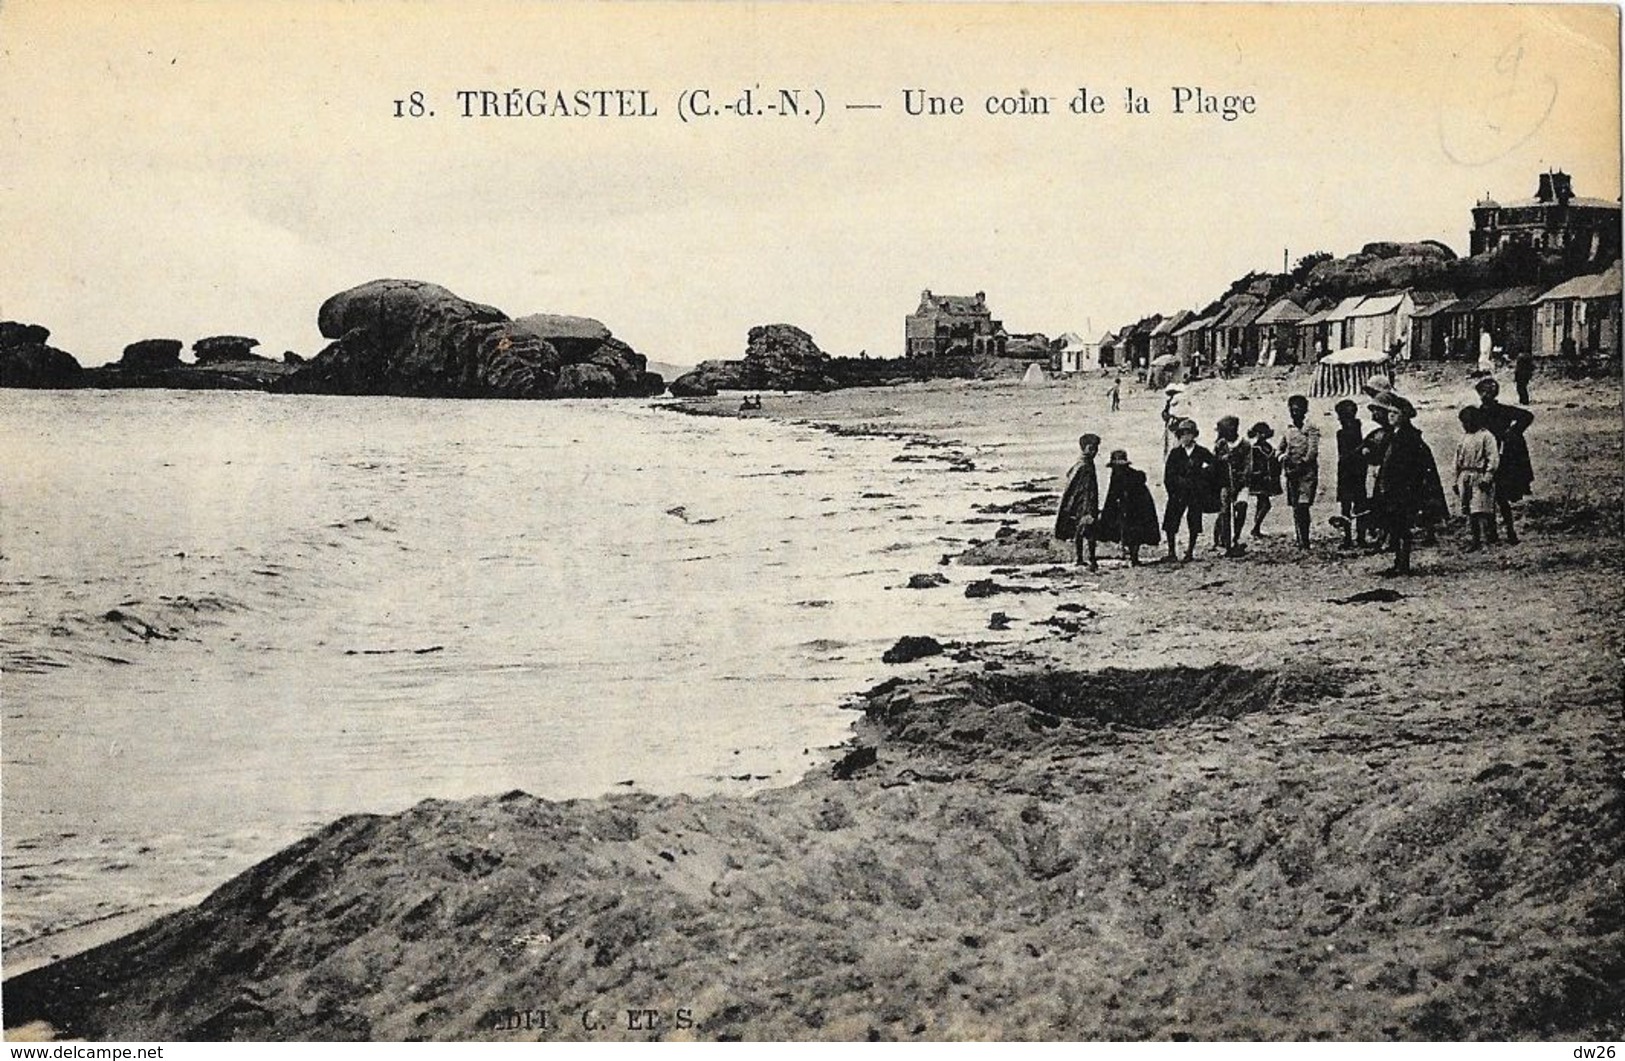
[[1460, 325], [1509, 317], [1277, 330], [1188, 340], [1136, 340], [1076, 355], [1336, 323], [1382, 322], [1237, 342], [1345, 373], [1162, 336], [1580, 317], [1430, 331], [1108, 350]]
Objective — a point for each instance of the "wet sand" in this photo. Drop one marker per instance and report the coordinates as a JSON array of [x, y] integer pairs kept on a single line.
[[1271, 797]]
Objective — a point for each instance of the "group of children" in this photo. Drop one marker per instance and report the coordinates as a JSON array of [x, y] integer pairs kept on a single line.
[[1388, 483]]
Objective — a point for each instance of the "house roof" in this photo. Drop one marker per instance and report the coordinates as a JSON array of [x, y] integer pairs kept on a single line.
[[1283, 311], [1596, 285], [1070, 341], [1244, 315], [1169, 324], [1444, 305], [1578, 200], [958, 305], [1512, 298], [1344, 309], [1318, 317], [1378, 305], [1195, 326]]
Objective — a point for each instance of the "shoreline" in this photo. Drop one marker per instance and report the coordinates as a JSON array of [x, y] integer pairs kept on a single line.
[[1327, 827]]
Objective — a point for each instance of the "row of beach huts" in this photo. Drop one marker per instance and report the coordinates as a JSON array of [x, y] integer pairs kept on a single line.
[[1576, 318]]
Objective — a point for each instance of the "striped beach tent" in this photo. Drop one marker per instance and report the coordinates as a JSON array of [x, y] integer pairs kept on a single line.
[[1345, 372]]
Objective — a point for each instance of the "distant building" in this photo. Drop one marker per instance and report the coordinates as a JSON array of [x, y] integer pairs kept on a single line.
[[1554, 221], [950, 325]]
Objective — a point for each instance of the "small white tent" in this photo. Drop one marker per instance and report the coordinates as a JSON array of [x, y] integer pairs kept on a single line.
[[1034, 377]]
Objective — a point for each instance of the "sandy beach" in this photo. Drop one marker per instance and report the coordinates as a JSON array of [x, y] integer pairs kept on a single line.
[[1271, 797]]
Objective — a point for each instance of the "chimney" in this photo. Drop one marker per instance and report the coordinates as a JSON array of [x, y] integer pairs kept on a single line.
[[981, 298], [1562, 187], [1544, 195]]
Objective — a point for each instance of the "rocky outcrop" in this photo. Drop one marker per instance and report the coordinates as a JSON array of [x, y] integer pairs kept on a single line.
[[148, 354], [411, 338], [26, 361], [218, 348], [777, 357]]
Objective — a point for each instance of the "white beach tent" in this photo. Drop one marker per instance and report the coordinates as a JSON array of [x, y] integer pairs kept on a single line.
[[1034, 377], [1345, 372]]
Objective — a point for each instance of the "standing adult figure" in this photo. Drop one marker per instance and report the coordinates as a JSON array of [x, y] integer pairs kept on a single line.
[[1300, 465], [1515, 475], [1187, 476]]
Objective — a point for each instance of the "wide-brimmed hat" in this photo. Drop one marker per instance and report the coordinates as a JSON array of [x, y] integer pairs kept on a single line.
[[1172, 388], [1187, 427], [1261, 430], [1487, 383], [1119, 458], [1375, 385], [1393, 403], [1089, 438]]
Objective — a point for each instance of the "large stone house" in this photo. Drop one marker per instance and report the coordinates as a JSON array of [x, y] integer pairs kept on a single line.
[[953, 325], [1554, 221]]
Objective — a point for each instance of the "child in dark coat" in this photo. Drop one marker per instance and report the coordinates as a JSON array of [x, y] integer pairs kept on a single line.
[[1351, 472], [1080, 504], [1128, 515]]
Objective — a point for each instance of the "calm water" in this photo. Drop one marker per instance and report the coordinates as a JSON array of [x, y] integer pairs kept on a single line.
[[230, 618]]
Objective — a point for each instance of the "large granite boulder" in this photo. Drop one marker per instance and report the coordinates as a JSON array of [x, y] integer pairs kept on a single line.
[[584, 341], [777, 357], [147, 354], [218, 348], [408, 337], [25, 360]]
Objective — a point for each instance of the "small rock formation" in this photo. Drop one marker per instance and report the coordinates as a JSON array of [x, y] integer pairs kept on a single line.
[[927, 581], [146, 354], [217, 348], [910, 648], [25, 360], [411, 338], [777, 357]]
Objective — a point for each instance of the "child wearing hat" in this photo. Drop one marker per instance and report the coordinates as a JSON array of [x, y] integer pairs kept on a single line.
[[1128, 514], [1263, 474], [1187, 476], [1234, 457], [1080, 503]]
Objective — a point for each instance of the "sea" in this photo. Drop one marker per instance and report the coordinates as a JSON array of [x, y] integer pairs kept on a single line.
[[230, 618]]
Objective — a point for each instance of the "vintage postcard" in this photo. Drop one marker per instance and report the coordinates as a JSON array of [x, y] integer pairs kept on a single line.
[[810, 521]]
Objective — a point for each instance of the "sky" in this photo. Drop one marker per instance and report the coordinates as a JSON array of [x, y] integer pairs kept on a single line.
[[188, 169]]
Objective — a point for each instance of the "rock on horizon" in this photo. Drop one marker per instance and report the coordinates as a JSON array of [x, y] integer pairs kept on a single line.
[[411, 338]]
